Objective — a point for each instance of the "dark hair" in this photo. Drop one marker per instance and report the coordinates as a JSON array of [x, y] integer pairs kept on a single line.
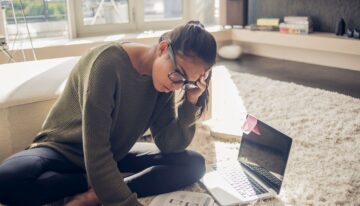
[[192, 40]]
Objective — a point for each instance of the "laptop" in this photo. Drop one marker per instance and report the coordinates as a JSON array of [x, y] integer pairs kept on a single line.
[[258, 171]]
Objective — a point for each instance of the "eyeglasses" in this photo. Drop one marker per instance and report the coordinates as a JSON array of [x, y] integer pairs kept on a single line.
[[176, 76]]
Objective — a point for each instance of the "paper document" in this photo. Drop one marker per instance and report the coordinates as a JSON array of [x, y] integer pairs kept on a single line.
[[183, 198]]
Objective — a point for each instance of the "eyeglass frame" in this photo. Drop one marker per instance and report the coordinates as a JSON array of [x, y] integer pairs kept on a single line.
[[187, 83]]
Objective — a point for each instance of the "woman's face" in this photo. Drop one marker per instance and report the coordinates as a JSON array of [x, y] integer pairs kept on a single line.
[[191, 68]]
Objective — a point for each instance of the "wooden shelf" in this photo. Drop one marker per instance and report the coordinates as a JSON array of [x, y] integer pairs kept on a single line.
[[326, 42]]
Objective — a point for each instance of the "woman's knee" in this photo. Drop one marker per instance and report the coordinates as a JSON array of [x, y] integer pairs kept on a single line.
[[8, 174], [5, 176], [14, 171], [196, 163], [7, 183]]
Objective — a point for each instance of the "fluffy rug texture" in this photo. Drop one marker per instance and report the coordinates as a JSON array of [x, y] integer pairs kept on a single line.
[[324, 163]]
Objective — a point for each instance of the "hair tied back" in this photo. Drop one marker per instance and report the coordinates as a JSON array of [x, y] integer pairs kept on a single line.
[[196, 24]]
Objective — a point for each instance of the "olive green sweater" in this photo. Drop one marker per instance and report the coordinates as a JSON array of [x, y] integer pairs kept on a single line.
[[105, 107]]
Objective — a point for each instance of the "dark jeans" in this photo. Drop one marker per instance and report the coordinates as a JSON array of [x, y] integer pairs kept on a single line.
[[42, 175]]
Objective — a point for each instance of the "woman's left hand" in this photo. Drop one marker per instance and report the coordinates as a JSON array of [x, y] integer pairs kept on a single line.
[[194, 94]]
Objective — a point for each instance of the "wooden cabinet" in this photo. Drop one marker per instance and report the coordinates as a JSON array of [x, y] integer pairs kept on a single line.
[[233, 12]]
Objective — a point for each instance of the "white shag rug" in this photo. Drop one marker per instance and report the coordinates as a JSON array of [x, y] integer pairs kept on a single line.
[[324, 163]]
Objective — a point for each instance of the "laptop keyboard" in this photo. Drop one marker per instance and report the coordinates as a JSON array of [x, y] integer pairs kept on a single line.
[[240, 181], [265, 174]]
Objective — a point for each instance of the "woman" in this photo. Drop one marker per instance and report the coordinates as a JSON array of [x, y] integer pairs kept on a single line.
[[87, 146]]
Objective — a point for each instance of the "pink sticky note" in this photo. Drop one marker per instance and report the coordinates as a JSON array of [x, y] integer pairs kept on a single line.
[[250, 125]]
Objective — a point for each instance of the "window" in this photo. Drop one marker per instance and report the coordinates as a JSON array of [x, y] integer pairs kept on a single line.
[[207, 11], [81, 18], [162, 9], [162, 14], [45, 18], [101, 17], [105, 12]]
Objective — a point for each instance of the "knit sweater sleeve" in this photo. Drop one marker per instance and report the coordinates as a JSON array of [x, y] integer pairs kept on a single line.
[[174, 129], [102, 171]]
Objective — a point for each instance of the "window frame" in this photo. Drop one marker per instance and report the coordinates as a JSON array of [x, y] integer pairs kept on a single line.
[[136, 20]]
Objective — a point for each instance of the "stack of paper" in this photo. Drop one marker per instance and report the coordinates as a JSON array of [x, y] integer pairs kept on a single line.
[[183, 198]]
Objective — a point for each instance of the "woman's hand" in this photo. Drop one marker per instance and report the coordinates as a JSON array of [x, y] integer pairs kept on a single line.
[[194, 94]]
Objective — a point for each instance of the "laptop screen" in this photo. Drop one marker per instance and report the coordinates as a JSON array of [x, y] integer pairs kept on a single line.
[[266, 154]]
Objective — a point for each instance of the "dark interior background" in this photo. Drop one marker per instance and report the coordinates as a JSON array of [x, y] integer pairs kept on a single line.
[[324, 13]]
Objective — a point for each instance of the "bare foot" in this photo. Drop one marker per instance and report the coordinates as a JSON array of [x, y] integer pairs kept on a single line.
[[87, 198]]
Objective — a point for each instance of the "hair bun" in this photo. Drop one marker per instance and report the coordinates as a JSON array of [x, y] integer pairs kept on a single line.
[[196, 23]]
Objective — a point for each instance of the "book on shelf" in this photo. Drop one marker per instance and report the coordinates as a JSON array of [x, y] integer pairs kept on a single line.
[[183, 198], [268, 22], [297, 18], [255, 27], [298, 22], [296, 25], [294, 28], [291, 24]]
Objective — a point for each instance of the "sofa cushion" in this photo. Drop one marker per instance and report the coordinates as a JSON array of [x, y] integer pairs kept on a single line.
[[27, 92]]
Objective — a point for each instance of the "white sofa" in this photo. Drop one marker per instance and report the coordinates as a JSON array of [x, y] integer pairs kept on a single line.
[[27, 92]]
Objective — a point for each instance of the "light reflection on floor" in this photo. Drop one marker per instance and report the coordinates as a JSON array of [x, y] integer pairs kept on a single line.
[[227, 107]]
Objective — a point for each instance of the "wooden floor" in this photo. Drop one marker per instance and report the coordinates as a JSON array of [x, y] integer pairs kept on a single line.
[[328, 78]]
